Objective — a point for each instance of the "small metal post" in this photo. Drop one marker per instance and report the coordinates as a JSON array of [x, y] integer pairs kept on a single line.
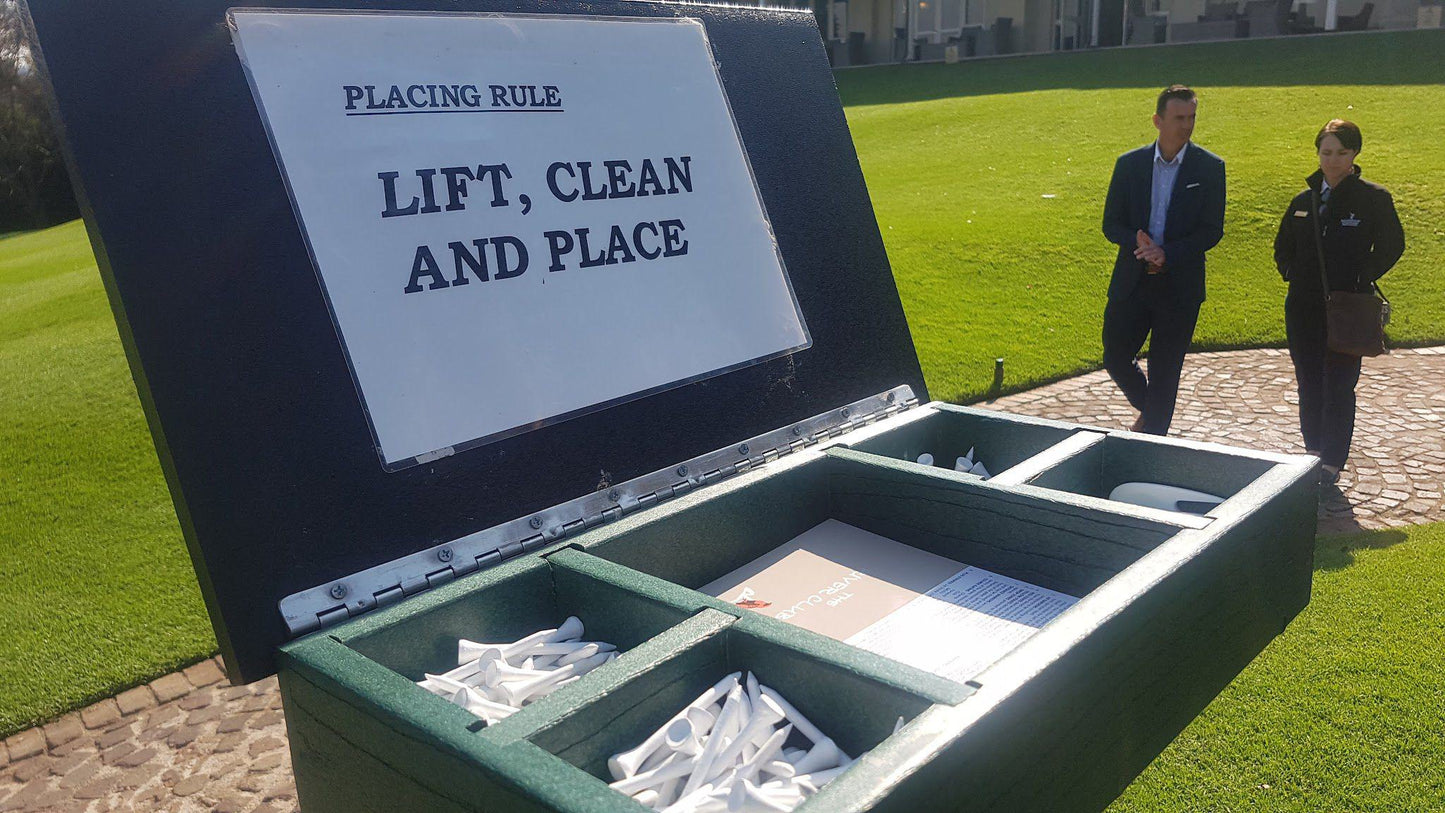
[[997, 376]]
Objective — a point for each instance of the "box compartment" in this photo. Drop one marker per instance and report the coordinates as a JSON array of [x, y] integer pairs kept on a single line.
[[947, 432], [857, 712], [1095, 470], [1051, 544], [504, 605]]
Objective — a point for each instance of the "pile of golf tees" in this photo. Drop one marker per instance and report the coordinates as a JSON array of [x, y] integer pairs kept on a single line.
[[729, 750], [493, 681], [964, 464]]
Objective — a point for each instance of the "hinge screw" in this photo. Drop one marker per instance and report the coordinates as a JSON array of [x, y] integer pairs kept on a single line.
[[892, 396], [614, 495], [682, 471], [744, 449], [797, 430], [445, 554], [535, 522], [338, 591], [847, 412]]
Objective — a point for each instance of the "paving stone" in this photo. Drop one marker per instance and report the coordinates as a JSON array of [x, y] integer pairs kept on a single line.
[[131, 701], [191, 785], [23, 797], [268, 762], [183, 735], [267, 719], [162, 715], [253, 783], [101, 715], [102, 785], [155, 734], [206, 715], [255, 703], [69, 762], [197, 699], [230, 742], [234, 693], [26, 744], [231, 805], [80, 774], [85, 743], [32, 767], [171, 687], [63, 730], [204, 673], [111, 756], [235, 722], [138, 777], [115, 736], [265, 744], [286, 790], [136, 758], [4, 754]]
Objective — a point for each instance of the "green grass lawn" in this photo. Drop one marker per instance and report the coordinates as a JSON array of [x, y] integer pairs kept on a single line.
[[1341, 713], [988, 179], [96, 589]]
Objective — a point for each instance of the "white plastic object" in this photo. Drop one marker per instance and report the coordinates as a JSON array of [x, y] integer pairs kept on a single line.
[[926, 459], [626, 763], [1165, 497], [803, 724]]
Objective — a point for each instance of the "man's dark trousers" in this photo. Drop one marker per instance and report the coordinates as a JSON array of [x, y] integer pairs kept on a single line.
[[1150, 309], [1162, 305]]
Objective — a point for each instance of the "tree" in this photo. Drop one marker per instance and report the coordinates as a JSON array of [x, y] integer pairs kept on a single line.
[[34, 190]]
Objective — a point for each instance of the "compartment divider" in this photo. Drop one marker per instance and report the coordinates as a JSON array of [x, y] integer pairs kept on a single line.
[[851, 659], [1065, 503], [572, 567], [1048, 458], [620, 685]]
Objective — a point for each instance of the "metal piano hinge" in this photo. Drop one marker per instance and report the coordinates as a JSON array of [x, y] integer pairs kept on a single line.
[[334, 602]]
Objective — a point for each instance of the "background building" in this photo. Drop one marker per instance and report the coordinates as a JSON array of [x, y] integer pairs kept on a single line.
[[870, 32]]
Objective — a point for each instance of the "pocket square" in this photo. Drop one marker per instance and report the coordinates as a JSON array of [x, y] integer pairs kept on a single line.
[[1191, 186]]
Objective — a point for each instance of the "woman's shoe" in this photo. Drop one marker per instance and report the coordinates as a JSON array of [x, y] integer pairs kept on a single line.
[[1329, 475]]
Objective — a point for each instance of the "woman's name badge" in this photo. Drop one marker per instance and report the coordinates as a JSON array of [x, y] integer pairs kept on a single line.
[[1350, 221], [1301, 213]]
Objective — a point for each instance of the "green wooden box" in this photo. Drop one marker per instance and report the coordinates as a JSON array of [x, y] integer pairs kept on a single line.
[[351, 574], [1173, 606]]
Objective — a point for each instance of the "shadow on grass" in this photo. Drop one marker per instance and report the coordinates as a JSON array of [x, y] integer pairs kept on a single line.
[[1371, 58], [1337, 552]]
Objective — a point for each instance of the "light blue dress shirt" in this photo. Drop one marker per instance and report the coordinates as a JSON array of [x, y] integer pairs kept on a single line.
[[1165, 172]]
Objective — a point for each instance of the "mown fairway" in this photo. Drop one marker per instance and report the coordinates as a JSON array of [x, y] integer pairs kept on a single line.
[[1342, 713], [988, 180], [96, 590]]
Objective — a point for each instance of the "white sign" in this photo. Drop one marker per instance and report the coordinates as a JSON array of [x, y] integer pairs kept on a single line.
[[517, 219]]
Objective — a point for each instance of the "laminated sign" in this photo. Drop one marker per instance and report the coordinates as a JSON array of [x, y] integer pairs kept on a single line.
[[523, 221]]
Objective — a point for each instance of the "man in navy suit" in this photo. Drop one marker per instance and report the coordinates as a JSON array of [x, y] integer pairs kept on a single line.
[[1165, 208]]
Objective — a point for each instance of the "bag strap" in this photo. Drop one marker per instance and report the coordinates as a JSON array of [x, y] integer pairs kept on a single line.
[[1319, 241]]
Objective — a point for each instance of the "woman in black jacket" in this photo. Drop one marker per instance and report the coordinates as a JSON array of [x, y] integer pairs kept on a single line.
[[1352, 224]]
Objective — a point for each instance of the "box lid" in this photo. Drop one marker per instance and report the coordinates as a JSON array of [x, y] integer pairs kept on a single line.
[[307, 429]]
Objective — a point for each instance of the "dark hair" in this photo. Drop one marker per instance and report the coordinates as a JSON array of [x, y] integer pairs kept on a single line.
[[1179, 92], [1346, 131]]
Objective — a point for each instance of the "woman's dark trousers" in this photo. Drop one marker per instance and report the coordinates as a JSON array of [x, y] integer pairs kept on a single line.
[[1326, 382]]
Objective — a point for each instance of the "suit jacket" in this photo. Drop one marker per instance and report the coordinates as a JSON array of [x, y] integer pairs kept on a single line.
[[1193, 224]]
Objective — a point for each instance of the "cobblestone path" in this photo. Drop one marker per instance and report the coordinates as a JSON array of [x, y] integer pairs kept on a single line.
[[188, 742]]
